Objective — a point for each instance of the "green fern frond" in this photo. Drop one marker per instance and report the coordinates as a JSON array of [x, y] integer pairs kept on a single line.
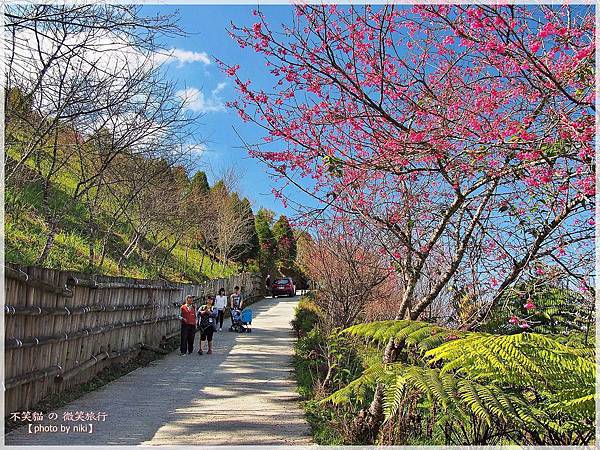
[[470, 395], [356, 388], [521, 360], [423, 335], [393, 396], [584, 404], [525, 381]]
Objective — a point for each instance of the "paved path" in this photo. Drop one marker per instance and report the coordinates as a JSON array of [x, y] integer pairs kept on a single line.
[[242, 394]]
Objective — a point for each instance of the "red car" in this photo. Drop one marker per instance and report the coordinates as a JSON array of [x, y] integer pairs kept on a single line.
[[283, 286]]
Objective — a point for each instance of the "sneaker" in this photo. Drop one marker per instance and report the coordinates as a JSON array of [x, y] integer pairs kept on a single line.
[[209, 352], [182, 354], [220, 329], [200, 352]]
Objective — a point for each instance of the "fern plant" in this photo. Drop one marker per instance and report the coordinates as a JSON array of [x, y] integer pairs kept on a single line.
[[557, 310], [534, 388]]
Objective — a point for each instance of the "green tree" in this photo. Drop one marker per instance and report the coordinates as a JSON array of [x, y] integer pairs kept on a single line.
[[286, 243], [266, 241], [199, 184], [251, 248], [231, 229], [545, 308], [18, 106], [220, 188], [304, 243]]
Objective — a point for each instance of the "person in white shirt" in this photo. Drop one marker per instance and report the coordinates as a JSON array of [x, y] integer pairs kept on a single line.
[[220, 304]]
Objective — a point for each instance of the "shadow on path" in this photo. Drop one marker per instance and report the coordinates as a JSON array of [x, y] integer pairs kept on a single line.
[[242, 394]]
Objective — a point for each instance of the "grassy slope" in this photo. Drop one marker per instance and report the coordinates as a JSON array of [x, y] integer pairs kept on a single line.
[[25, 231]]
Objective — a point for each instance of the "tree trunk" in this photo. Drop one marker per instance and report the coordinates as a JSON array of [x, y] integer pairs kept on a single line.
[[91, 246], [92, 256], [367, 424], [51, 220], [103, 252], [202, 261], [49, 243], [164, 260], [222, 263]]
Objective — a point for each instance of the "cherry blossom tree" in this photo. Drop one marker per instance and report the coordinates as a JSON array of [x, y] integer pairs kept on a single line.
[[461, 137]]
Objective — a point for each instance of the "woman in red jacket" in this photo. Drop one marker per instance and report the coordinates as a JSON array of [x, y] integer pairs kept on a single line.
[[187, 315]]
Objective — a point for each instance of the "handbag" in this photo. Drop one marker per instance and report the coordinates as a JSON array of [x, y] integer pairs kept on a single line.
[[209, 321]]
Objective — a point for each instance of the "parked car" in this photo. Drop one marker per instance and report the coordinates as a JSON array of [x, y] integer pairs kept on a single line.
[[283, 286]]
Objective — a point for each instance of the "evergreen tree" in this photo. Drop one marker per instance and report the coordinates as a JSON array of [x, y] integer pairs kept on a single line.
[[199, 210], [304, 242], [286, 244], [251, 248], [220, 189], [199, 183], [267, 243], [248, 248]]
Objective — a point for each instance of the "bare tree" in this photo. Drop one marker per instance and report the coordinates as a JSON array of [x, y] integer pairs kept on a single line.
[[231, 229], [349, 276], [94, 95]]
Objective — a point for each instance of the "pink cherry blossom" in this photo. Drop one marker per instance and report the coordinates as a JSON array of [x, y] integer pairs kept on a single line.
[[462, 137], [529, 305]]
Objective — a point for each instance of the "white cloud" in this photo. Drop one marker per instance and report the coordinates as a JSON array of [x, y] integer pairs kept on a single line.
[[196, 101], [99, 59], [183, 57], [84, 51], [219, 88], [197, 149], [73, 62]]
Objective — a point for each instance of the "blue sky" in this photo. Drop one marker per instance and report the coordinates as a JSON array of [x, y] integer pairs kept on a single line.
[[209, 89]]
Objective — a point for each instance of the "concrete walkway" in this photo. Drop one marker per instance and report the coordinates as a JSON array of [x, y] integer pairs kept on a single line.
[[242, 394]]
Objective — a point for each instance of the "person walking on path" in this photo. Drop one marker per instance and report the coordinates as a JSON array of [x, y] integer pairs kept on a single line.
[[235, 301], [221, 304], [208, 321], [187, 316]]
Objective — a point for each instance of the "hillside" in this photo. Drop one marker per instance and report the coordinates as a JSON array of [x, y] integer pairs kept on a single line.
[[26, 231]]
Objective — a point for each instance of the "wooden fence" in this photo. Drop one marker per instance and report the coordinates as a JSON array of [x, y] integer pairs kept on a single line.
[[62, 328]]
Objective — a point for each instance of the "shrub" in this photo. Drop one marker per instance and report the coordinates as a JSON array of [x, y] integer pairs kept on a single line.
[[325, 362], [306, 316]]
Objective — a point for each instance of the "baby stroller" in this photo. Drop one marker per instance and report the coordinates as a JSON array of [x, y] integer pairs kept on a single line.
[[241, 320]]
